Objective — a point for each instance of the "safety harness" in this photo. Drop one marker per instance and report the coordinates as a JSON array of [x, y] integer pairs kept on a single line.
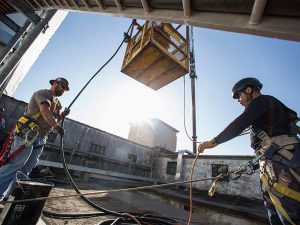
[[26, 127], [6, 153], [287, 153], [26, 123]]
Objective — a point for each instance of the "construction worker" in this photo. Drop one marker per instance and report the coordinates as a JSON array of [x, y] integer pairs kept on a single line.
[[276, 144], [41, 116]]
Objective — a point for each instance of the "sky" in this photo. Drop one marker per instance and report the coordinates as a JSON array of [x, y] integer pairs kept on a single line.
[[84, 42]]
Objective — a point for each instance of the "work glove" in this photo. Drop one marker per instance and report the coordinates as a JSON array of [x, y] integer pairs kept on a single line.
[[206, 144], [60, 130], [65, 112]]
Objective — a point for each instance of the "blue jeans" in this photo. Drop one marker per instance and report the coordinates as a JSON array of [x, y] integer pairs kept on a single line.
[[22, 163]]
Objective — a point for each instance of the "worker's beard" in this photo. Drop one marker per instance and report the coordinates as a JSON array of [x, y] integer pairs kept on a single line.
[[58, 93]]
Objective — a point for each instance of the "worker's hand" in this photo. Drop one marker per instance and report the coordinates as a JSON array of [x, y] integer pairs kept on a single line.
[[60, 130], [65, 112], [206, 144]]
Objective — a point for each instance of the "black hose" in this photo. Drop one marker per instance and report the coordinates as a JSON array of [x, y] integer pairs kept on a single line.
[[72, 215], [149, 219], [142, 218], [61, 140]]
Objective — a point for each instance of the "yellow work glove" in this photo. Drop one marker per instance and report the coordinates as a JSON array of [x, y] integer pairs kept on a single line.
[[206, 144]]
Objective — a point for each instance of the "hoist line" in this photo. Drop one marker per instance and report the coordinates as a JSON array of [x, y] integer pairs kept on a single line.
[[89, 214], [91, 203], [192, 73], [87, 83], [126, 215]]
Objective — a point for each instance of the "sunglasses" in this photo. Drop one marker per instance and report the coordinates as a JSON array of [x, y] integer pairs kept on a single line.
[[238, 94]]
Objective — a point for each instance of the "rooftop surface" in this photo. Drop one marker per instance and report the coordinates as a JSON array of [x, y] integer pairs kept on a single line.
[[171, 203]]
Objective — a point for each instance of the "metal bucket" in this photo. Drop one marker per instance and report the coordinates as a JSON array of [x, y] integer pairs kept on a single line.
[[27, 212]]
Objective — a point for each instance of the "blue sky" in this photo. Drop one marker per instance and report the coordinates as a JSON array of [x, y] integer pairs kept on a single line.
[[84, 42]]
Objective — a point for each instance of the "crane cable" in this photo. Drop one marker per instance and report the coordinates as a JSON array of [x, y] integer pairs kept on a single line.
[[127, 216], [61, 137]]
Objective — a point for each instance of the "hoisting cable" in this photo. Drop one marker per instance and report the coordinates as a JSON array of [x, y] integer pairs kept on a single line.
[[129, 217], [61, 137], [76, 215]]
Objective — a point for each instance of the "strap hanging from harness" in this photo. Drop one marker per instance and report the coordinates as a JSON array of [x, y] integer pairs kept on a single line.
[[6, 147], [6, 152], [27, 128], [274, 199], [271, 152]]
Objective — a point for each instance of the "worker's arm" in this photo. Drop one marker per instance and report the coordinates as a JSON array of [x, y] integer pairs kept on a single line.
[[61, 115], [47, 114], [255, 109]]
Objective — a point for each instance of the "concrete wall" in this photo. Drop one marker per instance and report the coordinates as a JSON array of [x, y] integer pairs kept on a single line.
[[80, 137], [246, 186], [153, 133]]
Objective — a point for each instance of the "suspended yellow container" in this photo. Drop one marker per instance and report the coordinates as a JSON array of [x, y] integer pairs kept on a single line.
[[156, 55]]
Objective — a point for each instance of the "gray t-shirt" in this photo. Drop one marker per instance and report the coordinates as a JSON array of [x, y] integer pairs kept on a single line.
[[39, 97]]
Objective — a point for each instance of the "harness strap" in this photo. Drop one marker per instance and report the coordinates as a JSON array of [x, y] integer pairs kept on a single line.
[[6, 145], [275, 200], [26, 123], [9, 156], [37, 115], [287, 191]]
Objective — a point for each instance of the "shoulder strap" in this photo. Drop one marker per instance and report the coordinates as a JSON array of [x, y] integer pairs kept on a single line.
[[54, 101]]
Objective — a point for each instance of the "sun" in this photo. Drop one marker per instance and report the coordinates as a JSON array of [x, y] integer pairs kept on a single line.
[[131, 103]]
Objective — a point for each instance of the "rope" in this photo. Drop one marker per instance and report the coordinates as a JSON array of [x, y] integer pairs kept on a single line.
[[108, 191], [191, 189]]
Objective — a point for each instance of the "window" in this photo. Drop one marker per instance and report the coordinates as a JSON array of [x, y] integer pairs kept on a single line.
[[97, 149], [132, 158], [52, 137], [171, 168], [218, 169]]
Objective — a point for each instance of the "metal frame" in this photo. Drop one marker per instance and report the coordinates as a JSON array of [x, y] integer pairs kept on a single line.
[[253, 22]]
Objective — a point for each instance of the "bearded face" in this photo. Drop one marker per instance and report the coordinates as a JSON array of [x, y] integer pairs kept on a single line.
[[58, 89]]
